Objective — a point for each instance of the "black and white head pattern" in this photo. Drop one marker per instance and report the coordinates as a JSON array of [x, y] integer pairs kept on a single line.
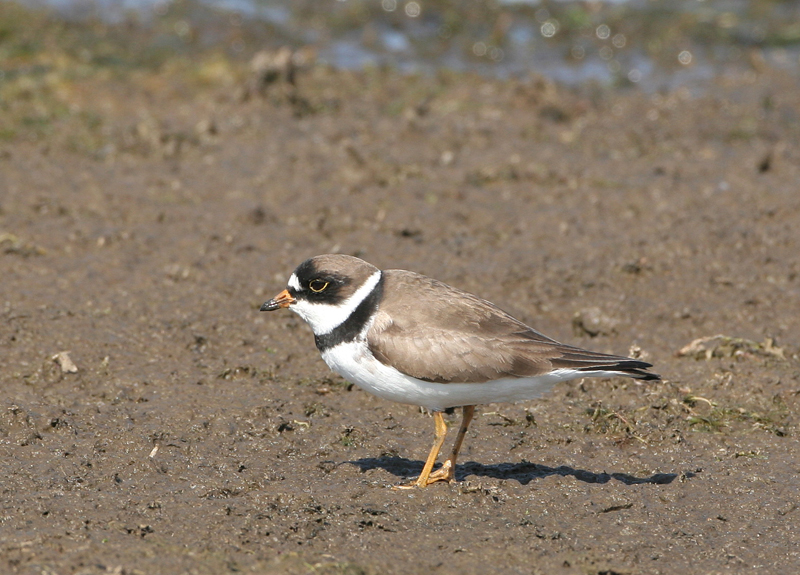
[[336, 295]]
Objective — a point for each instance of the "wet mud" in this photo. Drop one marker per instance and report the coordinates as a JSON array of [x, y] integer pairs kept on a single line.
[[153, 421]]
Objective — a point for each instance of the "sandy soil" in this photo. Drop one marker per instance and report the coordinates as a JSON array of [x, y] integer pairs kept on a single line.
[[201, 436]]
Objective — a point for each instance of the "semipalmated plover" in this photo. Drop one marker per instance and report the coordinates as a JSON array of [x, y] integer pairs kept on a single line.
[[412, 339]]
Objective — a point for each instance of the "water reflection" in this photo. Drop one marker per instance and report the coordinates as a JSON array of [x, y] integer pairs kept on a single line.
[[652, 44]]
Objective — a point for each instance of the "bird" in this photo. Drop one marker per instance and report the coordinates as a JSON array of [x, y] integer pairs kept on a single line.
[[412, 339]]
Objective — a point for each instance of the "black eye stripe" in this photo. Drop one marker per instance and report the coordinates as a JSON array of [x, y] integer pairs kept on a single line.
[[332, 294], [331, 280]]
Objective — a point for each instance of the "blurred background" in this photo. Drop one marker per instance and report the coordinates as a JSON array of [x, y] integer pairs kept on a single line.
[[653, 44]]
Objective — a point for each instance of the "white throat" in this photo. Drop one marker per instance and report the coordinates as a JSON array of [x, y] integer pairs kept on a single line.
[[324, 318]]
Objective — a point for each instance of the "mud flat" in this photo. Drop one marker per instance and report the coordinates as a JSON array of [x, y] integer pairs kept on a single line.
[[153, 421]]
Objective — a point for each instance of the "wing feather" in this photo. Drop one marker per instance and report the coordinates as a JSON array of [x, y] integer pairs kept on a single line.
[[427, 330]]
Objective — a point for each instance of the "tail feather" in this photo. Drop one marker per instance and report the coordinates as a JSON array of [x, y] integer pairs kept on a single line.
[[582, 360], [626, 372]]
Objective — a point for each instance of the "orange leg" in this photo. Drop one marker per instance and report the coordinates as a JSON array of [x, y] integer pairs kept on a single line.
[[441, 433], [447, 472]]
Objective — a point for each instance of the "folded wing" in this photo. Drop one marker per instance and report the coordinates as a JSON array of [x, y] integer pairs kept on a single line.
[[437, 333]]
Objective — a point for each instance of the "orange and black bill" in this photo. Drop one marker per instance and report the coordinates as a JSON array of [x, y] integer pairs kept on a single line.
[[283, 299]]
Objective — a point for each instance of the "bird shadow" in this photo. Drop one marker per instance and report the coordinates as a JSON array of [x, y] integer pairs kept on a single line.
[[523, 472]]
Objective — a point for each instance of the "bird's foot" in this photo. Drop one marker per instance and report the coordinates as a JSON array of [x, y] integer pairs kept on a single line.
[[445, 473]]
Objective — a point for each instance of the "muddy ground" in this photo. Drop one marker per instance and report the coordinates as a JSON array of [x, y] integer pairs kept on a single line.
[[143, 227]]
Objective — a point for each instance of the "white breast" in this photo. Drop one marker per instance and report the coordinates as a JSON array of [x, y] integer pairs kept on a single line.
[[355, 363]]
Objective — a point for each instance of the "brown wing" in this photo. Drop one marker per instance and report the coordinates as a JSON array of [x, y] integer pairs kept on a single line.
[[426, 329]]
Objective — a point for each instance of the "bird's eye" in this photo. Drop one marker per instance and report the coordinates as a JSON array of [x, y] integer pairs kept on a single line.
[[317, 285]]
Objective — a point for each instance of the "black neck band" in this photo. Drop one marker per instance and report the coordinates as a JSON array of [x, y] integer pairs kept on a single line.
[[349, 329]]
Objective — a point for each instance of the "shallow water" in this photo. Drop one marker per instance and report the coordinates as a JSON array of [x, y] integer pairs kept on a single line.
[[656, 45]]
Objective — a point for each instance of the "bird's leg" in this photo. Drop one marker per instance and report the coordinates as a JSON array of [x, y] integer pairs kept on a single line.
[[447, 472], [441, 432]]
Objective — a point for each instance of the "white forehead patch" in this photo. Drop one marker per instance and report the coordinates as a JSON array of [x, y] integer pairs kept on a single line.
[[294, 282], [323, 317]]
